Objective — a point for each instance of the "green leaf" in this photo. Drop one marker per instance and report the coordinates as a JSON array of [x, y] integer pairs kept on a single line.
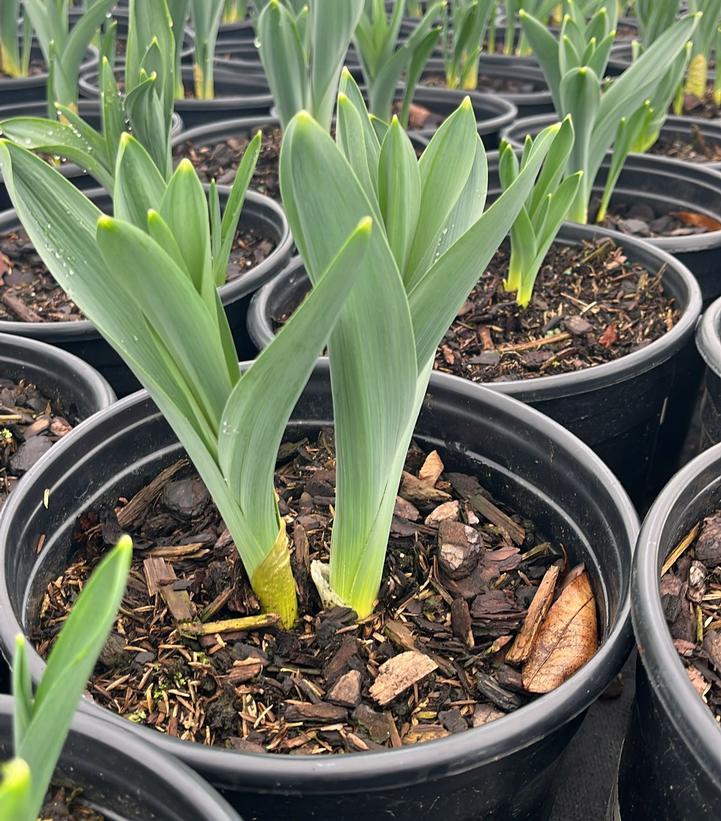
[[138, 184], [70, 664], [259, 407], [399, 191], [15, 792], [22, 691]]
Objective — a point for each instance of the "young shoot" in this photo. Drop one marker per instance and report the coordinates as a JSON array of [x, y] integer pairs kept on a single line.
[[146, 105], [234, 11], [603, 116], [432, 238], [15, 40], [386, 59], [464, 30], [41, 720], [206, 17], [536, 226], [64, 48], [303, 53]]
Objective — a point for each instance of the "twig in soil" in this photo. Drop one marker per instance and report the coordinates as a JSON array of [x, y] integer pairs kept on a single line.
[[518, 347], [680, 549]]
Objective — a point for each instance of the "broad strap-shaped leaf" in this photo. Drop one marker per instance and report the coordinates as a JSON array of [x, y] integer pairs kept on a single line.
[[283, 58], [545, 48], [257, 412], [444, 168], [372, 353], [437, 297], [581, 97], [22, 692], [16, 792], [70, 664], [206, 16], [138, 183], [352, 139], [60, 139]]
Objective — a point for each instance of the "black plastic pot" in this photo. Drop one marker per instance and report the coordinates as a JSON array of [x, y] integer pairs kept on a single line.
[[89, 110], [79, 389], [673, 185], [243, 31], [671, 761], [82, 339], [123, 779], [537, 101], [32, 89], [616, 408], [237, 94], [493, 113], [708, 343], [503, 770]]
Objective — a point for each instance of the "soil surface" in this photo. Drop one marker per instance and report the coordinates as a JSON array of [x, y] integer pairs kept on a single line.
[[697, 107], [65, 804], [29, 293], [487, 82], [478, 614], [221, 160], [690, 592], [590, 306], [642, 219], [692, 148], [30, 424]]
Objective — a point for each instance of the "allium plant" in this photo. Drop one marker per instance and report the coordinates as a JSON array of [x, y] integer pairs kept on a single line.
[[605, 116], [464, 31], [15, 40]]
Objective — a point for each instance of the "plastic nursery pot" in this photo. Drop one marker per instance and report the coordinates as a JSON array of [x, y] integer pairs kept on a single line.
[[237, 93], [493, 113], [89, 110], [14, 90], [503, 770], [668, 185], [671, 761], [496, 67], [82, 339], [616, 408], [242, 31], [708, 343], [123, 779]]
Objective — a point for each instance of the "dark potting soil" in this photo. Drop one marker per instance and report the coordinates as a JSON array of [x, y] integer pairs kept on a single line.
[[501, 85], [29, 293], [477, 615], [65, 804], [690, 591], [30, 424], [220, 161], [589, 306], [641, 219], [696, 107], [692, 148]]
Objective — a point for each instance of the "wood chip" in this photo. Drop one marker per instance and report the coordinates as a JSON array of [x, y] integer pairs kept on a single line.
[[448, 511], [400, 634], [322, 712], [461, 621], [16, 306], [160, 578], [137, 507], [431, 469], [399, 673], [347, 690], [526, 637], [485, 713], [425, 732], [419, 492], [568, 638], [497, 517]]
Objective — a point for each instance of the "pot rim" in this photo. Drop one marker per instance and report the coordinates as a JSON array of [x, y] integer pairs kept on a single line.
[[708, 340], [67, 330], [687, 712], [433, 760], [23, 349], [41, 79], [562, 384], [180, 778]]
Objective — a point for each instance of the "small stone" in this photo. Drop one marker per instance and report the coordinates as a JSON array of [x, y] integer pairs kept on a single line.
[[577, 325], [29, 453], [185, 498], [661, 225], [347, 690], [458, 548], [445, 512]]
